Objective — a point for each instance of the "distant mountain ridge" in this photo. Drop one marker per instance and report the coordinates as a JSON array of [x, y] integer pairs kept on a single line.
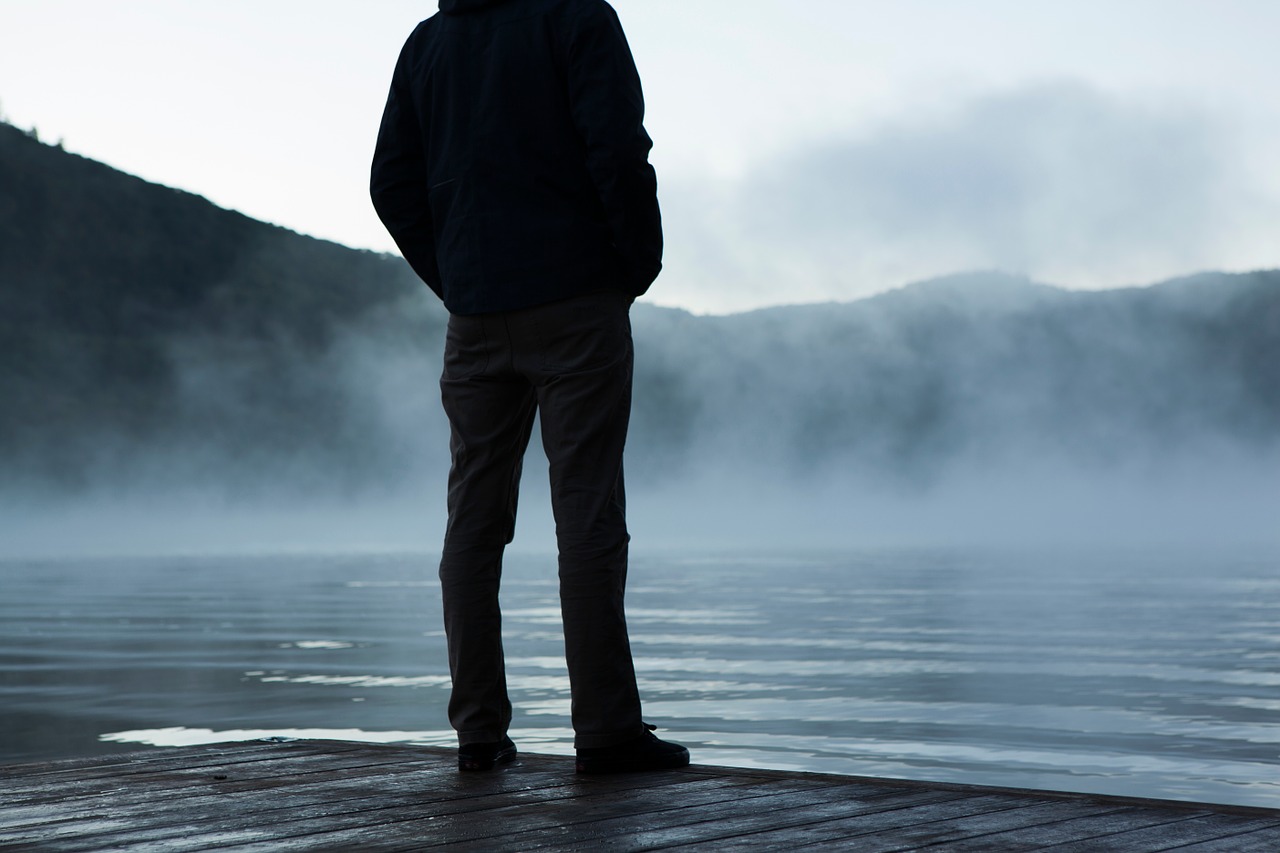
[[147, 335], [975, 367]]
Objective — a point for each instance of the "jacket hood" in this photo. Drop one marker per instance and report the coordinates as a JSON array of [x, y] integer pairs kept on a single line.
[[461, 7]]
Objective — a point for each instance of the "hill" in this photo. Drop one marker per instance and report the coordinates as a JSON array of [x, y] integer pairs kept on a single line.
[[135, 318], [978, 368], [149, 337]]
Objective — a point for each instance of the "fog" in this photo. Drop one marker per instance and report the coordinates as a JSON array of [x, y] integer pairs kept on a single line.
[[981, 409], [1059, 180]]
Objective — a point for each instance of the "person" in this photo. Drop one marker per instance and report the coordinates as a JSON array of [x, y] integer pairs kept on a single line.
[[511, 169]]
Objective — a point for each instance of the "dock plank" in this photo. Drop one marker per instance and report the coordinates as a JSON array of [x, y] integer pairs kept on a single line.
[[736, 821], [959, 832], [934, 807], [1088, 826], [523, 820], [313, 795], [1258, 841], [1190, 829], [316, 802], [706, 826], [637, 823], [594, 800]]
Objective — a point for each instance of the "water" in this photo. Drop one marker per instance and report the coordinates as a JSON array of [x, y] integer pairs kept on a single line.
[[1124, 672]]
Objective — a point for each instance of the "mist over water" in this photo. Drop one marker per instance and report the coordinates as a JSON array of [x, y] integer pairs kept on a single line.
[[978, 409]]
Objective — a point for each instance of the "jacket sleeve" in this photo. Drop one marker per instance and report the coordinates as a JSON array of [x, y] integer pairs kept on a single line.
[[608, 111], [398, 179]]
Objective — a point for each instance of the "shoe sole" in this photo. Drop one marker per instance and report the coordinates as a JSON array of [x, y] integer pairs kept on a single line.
[[639, 766], [471, 765]]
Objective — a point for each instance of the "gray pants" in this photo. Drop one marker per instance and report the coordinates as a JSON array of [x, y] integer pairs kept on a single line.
[[571, 361]]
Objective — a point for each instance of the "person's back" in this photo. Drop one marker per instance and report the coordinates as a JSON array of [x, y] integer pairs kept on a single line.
[[511, 170], [536, 175]]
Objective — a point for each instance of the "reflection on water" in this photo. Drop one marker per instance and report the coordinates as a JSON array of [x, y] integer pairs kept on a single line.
[[1127, 673]]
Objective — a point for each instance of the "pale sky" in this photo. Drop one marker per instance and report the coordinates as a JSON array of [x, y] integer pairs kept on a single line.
[[806, 151]]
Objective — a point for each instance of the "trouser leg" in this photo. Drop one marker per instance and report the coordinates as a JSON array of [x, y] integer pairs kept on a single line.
[[490, 416], [585, 409]]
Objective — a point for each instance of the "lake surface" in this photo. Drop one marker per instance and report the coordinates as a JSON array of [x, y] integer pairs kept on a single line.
[[1125, 672]]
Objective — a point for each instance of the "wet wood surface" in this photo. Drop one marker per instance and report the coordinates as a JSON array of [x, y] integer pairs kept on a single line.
[[323, 795]]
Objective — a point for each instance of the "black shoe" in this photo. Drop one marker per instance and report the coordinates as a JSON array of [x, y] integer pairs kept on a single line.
[[483, 756], [646, 752]]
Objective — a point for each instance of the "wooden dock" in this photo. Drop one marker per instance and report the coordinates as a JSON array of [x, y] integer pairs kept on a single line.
[[321, 795]]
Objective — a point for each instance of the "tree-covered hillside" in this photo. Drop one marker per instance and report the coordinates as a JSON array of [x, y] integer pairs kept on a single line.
[[115, 294], [147, 336], [977, 368]]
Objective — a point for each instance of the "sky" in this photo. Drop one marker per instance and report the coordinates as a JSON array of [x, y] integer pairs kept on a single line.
[[806, 152]]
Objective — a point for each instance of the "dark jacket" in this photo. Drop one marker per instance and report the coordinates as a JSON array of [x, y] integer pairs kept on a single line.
[[512, 163]]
